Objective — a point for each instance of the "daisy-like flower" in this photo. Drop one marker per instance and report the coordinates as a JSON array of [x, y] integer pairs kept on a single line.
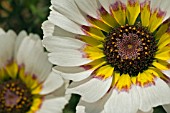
[[115, 51], [26, 77]]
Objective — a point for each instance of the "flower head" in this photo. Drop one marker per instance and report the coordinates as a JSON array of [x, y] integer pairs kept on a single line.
[[116, 51], [25, 76]]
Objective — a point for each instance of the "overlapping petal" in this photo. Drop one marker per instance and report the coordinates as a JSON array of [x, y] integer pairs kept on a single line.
[[23, 59], [95, 21]]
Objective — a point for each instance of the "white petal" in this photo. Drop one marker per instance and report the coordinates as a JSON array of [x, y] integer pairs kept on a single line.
[[90, 7], [167, 108], [31, 54], [164, 6], [80, 109], [19, 39], [68, 57], [91, 90], [123, 102], [64, 23], [106, 4], [53, 82], [53, 42], [60, 92], [55, 105], [34, 37], [153, 96], [70, 10], [41, 66], [151, 111], [63, 33], [154, 4], [48, 28], [166, 72], [96, 107], [73, 73], [7, 45]]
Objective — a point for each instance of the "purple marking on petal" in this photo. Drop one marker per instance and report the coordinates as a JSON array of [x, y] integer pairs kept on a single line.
[[115, 6], [146, 2], [132, 2], [161, 13], [102, 11], [91, 18], [85, 28], [34, 77], [123, 6], [166, 21], [86, 67]]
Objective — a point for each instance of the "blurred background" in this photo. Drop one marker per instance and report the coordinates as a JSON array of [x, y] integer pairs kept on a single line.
[[23, 14], [28, 15]]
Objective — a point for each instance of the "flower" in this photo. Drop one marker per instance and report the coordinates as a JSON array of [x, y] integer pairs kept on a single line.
[[115, 51], [26, 78]]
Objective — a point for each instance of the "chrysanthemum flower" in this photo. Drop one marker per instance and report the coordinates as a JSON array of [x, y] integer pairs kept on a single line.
[[26, 77], [115, 51]]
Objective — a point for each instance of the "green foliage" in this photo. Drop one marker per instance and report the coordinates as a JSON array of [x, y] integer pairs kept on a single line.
[[159, 109], [23, 14]]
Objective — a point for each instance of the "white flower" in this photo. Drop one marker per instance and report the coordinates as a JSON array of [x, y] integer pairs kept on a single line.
[[26, 78], [115, 51]]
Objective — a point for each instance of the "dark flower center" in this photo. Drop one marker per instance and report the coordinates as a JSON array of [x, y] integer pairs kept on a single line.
[[130, 49], [15, 97]]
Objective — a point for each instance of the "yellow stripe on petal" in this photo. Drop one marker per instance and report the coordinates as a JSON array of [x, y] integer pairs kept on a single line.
[[116, 77], [163, 54], [145, 13], [3, 75], [155, 20], [36, 104], [164, 40], [93, 53], [12, 70], [158, 73], [145, 79], [124, 83], [153, 71], [95, 64], [162, 65], [98, 24], [163, 28], [134, 79], [104, 72], [118, 11], [133, 10], [94, 32], [100, 46], [90, 40], [107, 18], [37, 90], [30, 81]]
